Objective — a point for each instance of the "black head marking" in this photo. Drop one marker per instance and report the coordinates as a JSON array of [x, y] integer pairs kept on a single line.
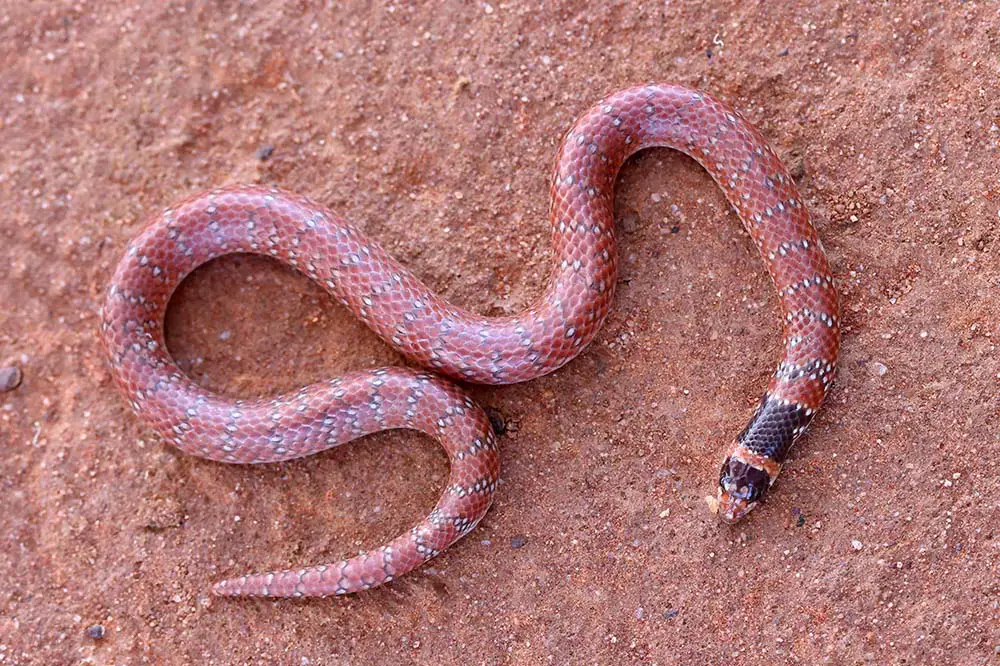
[[743, 481]]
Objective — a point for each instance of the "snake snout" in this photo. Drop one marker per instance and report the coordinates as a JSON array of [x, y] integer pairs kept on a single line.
[[730, 508]]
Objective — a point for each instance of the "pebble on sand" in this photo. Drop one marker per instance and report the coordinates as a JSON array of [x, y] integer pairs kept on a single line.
[[10, 378]]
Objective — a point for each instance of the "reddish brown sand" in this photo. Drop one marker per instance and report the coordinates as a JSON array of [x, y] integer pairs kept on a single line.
[[434, 130]]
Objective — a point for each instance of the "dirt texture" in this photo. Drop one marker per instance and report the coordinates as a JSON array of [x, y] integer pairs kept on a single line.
[[433, 127]]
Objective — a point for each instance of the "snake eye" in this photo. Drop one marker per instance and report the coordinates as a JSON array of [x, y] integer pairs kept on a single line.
[[743, 481]]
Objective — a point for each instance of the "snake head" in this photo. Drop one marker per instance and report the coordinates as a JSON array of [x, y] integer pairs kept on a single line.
[[741, 486]]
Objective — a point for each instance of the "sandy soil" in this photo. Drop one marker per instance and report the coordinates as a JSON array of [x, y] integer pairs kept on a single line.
[[434, 129]]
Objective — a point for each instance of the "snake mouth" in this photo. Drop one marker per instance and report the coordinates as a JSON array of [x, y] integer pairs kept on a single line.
[[730, 508]]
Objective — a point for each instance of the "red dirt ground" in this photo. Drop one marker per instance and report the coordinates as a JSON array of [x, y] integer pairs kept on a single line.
[[433, 126]]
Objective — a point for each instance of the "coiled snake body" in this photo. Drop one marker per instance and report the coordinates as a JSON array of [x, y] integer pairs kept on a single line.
[[463, 345]]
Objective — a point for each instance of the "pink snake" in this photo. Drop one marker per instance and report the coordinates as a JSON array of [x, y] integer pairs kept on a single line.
[[461, 344]]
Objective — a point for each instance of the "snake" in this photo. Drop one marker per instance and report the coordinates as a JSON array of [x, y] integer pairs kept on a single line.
[[451, 344]]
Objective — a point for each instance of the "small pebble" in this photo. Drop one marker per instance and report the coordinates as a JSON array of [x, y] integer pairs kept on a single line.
[[497, 421], [797, 165], [856, 545], [673, 612], [629, 221], [264, 152], [518, 541], [880, 368], [10, 378], [95, 631], [225, 335]]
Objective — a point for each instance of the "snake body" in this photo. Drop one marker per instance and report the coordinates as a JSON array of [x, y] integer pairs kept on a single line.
[[463, 345]]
